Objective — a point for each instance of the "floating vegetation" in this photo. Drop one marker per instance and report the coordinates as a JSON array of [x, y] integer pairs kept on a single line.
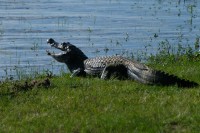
[[191, 9], [35, 46], [62, 21], [1, 29], [127, 37]]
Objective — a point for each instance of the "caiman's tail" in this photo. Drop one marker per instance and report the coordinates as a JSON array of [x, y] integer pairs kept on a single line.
[[149, 76]]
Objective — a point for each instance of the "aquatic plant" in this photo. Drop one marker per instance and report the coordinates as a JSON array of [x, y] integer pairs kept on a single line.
[[191, 9]]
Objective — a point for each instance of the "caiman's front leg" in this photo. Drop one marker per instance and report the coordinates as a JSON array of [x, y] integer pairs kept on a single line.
[[118, 71], [78, 72]]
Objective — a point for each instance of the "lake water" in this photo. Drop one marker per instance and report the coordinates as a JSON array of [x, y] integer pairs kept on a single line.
[[98, 27]]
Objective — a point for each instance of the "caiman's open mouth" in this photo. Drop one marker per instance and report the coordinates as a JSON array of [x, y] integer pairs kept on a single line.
[[55, 44]]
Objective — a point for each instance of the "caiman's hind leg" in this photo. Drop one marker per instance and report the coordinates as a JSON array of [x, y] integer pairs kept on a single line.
[[118, 71]]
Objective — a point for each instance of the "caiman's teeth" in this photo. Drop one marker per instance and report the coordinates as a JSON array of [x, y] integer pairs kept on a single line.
[[48, 52], [53, 44]]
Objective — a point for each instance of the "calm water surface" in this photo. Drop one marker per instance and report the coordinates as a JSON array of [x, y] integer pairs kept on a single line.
[[98, 27]]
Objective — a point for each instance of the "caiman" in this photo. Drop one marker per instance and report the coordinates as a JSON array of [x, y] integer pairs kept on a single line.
[[105, 67]]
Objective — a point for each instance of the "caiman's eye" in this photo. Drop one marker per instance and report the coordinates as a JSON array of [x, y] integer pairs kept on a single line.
[[66, 48], [63, 45]]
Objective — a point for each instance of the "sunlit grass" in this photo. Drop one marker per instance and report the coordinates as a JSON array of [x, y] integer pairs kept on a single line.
[[95, 105]]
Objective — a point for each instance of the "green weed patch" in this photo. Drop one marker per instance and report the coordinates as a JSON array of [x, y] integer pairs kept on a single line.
[[95, 105]]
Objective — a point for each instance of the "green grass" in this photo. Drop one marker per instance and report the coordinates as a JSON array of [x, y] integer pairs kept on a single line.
[[94, 105]]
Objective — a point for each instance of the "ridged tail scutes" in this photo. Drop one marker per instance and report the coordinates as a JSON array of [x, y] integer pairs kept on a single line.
[[166, 79], [159, 78]]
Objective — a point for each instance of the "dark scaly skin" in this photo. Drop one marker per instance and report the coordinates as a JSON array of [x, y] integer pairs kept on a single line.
[[80, 65]]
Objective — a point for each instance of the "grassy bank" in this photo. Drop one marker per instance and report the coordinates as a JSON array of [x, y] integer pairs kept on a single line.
[[94, 105]]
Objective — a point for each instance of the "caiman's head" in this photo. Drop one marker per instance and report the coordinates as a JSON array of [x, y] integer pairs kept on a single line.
[[71, 55]]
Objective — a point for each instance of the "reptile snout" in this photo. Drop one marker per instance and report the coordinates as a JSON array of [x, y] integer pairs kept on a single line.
[[50, 41]]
